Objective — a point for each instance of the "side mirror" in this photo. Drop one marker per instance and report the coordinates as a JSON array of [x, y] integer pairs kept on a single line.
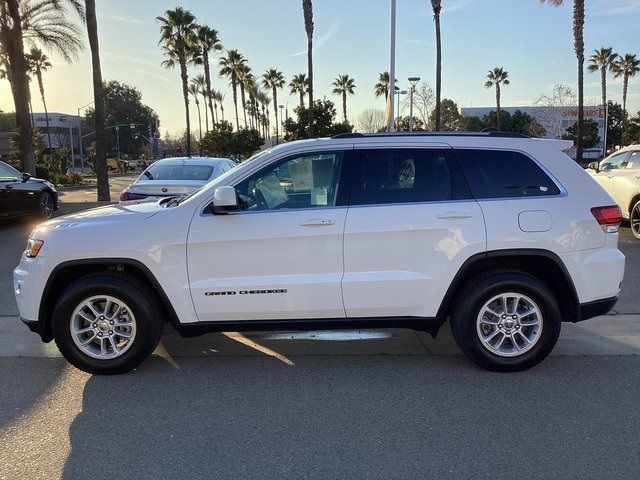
[[594, 166], [225, 199], [26, 176]]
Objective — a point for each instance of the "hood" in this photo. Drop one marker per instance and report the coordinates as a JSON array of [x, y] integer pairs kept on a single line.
[[107, 215]]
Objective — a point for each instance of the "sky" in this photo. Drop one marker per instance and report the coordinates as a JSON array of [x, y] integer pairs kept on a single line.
[[532, 42]]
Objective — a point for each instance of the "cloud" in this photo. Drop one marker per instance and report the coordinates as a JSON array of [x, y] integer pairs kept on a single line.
[[613, 7], [127, 19], [322, 40], [129, 59], [148, 73], [457, 5]]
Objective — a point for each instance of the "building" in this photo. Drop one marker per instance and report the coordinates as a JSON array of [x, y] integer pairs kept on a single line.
[[555, 120]]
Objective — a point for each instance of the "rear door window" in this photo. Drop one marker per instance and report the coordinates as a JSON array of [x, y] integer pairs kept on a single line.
[[409, 175], [501, 173]]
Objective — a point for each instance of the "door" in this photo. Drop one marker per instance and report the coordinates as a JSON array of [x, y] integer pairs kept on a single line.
[[9, 178], [410, 226], [625, 182], [609, 168], [280, 256]]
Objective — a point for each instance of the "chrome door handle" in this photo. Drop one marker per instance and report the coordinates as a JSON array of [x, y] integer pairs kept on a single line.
[[454, 215], [316, 222]]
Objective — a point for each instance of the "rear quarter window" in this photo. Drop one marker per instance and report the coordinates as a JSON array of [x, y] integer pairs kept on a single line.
[[500, 174]]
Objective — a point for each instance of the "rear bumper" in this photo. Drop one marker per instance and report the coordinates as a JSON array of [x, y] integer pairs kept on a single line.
[[596, 308]]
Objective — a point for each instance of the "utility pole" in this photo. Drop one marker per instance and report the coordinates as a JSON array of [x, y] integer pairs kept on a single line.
[[413, 81], [392, 67]]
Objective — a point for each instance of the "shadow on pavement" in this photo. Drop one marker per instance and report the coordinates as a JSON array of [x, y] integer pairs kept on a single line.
[[359, 417]]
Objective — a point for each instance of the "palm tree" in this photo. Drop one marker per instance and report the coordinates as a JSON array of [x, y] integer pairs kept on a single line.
[[299, 84], [194, 91], [603, 60], [496, 78], [208, 42], [244, 80], [201, 85], [382, 87], [177, 34], [437, 7], [578, 46], [44, 22], [344, 85], [218, 98], [231, 65], [307, 10], [264, 100], [39, 63], [626, 67], [274, 80]]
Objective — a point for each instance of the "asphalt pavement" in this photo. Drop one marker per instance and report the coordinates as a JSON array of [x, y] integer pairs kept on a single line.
[[350, 404]]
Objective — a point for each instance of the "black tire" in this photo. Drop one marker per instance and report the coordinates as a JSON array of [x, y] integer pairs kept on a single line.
[[480, 290], [46, 205], [140, 300], [634, 220]]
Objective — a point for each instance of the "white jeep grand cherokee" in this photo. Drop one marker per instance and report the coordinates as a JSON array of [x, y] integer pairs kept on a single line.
[[502, 234]]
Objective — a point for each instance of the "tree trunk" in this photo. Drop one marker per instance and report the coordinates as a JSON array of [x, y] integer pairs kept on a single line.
[[344, 106], [207, 81], [438, 69], [234, 87], [625, 90], [603, 86], [498, 105], [301, 98], [310, 68], [578, 34], [200, 122], [100, 162], [185, 95], [275, 110], [244, 104], [44, 104], [14, 46], [206, 114]]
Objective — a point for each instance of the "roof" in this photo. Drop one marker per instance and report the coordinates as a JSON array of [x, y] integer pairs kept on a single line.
[[484, 133], [192, 160]]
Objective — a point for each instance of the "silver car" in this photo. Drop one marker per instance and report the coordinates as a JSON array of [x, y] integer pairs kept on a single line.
[[174, 176]]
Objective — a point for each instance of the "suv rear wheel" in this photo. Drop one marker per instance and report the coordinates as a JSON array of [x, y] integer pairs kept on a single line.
[[634, 220], [107, 323], [506, 321]]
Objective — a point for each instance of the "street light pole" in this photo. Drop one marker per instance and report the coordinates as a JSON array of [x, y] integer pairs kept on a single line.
[[392, 66], [413, 81], [400, 92], [281, 121]]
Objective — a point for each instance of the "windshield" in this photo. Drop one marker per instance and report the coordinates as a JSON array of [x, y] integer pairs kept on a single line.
[[177, 172]]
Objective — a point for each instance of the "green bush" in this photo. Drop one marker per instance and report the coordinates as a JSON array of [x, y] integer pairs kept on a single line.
[[42, 172], [61, 180]]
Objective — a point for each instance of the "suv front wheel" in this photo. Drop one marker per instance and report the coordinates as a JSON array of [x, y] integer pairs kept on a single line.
[[506, 321], [107, 323]]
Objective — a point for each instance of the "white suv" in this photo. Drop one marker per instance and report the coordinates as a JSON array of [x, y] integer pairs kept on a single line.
[[619, 175], [502, 234]]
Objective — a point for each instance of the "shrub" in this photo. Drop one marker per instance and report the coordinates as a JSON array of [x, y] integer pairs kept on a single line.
[[76, 178], [62, 180], [42, 172]]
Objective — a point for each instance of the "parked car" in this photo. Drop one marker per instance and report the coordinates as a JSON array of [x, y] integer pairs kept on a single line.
[[174, 176], [619, 175], [20, 194], [503, 235]]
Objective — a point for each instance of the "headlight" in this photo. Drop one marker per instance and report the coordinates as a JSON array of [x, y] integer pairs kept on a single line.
[[33, 248]]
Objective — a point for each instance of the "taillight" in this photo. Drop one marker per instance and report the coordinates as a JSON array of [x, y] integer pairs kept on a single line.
[[608, 217], [125, 196]]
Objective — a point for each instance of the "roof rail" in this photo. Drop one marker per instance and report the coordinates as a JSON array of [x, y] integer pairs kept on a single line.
[[484, 133]]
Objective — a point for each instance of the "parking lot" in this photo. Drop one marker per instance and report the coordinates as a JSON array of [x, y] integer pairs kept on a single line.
[[381, 404]]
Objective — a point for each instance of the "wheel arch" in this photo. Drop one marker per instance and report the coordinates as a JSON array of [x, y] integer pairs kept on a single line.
[[635, 199], [66, 272], [543, 264]]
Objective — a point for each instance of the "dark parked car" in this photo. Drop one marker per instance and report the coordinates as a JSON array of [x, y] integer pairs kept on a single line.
[[22, 195]]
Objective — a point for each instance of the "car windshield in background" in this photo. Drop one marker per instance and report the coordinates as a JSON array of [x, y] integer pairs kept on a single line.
[[178, 172]]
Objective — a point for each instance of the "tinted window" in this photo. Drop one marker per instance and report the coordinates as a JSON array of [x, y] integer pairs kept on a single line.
[[634, 160], [304, 181], [498, 174], [178, 172], [401, 175], [615, 161], [8, 173]]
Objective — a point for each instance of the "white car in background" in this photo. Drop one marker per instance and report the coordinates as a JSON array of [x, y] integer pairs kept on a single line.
[[174, 176], [619, 175]]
